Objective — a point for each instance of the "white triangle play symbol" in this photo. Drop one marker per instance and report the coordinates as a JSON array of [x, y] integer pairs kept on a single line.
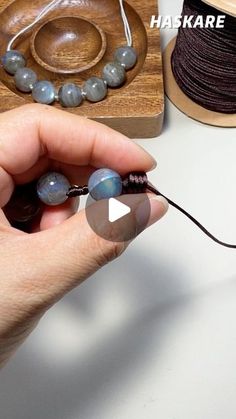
[[117, 210]]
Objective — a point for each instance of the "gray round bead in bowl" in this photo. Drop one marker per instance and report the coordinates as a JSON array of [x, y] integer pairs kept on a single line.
[[127, 56], [114, 74], [13, 60], [52, 188], [70, 95], [44, 92], [95, 89], [25, 78]]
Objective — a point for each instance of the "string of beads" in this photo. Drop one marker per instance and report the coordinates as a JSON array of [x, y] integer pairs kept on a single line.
[[54, 189]]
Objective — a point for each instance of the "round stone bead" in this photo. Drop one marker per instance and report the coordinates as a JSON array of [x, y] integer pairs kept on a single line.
[[70, 95], [43, 92], [114, 74], [52, 188], [95, 89], [13, 60], [104, 184], [126, 56], [25, 78]]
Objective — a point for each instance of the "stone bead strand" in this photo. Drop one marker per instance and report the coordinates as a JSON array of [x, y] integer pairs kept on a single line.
[[70, 95], [53, 188]]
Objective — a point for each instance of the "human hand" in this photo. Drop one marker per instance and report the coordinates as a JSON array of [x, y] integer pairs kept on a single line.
[[37, 269]]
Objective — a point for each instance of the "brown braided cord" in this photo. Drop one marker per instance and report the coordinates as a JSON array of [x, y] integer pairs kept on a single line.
[[204, 60]]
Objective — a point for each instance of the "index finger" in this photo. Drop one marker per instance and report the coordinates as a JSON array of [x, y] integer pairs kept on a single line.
[[32, 131]]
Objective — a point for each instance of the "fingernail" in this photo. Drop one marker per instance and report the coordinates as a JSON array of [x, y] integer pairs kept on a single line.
[[154, 165], [159, 206]]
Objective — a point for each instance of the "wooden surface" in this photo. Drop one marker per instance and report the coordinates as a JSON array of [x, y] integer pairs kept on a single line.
[[226, 6], [68, 35], [185, 104], [136, 109]]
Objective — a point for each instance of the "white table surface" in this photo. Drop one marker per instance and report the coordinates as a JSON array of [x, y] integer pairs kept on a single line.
[[152, 335]]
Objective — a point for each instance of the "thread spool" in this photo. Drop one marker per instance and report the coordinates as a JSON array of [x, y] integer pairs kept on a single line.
[[181, 100]]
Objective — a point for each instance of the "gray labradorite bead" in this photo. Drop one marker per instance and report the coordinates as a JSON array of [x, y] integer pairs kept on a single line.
[[126, 56], [70, 95], [52, 188], [13, 60], [114, 74], [95, 89], [43, 92], [25, 78]]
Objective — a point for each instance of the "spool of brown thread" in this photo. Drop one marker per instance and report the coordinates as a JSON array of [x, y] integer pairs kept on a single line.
[[200, 66]]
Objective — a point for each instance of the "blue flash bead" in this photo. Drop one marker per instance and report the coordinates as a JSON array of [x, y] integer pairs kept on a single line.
[[104, 184], [52, 188]]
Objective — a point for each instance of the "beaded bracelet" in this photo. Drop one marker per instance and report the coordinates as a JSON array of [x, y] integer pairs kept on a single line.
[[70, 95], [54, 189]]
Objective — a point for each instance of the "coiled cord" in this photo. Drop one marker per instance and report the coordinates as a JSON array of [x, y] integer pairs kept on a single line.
[[204, 60]]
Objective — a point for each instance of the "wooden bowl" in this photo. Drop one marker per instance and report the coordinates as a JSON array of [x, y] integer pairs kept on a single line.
[[73, 44]]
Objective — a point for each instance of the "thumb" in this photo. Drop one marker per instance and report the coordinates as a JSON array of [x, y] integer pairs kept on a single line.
[[62, 257]]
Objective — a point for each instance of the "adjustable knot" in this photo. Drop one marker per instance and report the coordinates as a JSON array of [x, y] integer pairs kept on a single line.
[[135, 182]]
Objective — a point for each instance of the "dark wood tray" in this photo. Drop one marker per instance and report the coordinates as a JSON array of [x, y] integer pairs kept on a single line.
[[135, 109]]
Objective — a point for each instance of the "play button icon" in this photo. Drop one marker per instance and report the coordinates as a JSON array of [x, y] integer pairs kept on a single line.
[[118, 219], [117, 210]]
